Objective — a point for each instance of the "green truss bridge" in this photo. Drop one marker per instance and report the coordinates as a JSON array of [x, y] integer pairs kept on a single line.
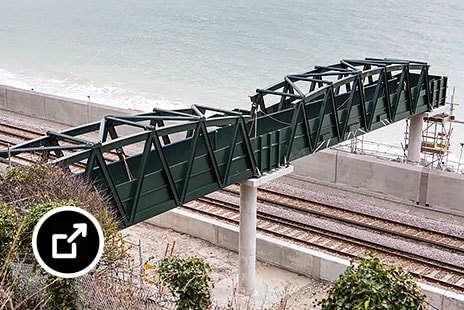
[[181, 155]]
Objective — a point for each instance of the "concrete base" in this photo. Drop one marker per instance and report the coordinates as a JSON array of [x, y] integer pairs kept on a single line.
[[272, 284]]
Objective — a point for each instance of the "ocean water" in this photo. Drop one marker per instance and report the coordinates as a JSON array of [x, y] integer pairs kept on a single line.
[[151, 53]]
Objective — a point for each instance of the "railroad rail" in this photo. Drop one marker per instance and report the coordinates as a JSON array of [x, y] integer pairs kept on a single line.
[[11, 135], [15, 135], [450, 241], [412, 247]]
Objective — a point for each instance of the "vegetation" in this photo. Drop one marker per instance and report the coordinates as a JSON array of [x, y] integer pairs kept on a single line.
[[188, 280], [370, 285], [27, 193]]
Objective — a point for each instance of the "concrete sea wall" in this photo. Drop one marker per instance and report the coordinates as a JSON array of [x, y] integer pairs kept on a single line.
[[426, 187], [54, 108]]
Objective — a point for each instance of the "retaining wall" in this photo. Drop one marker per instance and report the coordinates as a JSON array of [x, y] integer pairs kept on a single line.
[[420, 185], [54, 108]]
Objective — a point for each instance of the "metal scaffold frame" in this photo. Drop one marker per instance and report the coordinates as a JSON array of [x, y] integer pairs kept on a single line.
[[183, 154], [436, 140]]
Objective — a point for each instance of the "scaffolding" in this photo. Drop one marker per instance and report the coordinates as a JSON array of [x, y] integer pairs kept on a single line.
[[435, 144]]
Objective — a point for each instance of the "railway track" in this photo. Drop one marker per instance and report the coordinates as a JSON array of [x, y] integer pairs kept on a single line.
[[11, 135], [14, 135], [428, 255], [450, 241]]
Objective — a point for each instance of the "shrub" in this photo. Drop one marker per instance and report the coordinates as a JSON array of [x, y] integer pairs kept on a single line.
[[29, 190], [188, 279], [27, 193], [369, 284]]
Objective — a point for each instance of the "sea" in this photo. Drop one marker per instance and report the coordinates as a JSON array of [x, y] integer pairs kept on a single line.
[[143, 54]]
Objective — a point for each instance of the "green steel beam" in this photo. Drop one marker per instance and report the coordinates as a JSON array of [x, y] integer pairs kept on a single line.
[[184, 154]]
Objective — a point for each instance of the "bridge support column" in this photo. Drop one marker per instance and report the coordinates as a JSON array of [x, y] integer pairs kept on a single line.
[[247, 229], [415, 138], [247, 239]]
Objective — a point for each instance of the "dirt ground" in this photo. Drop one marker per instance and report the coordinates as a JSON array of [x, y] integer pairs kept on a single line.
[[275, 288]]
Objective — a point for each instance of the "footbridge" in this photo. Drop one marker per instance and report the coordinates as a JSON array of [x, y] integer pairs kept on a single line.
[[152, 162]]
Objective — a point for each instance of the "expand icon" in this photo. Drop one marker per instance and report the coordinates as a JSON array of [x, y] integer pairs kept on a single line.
[[81, 229], [67, 242]]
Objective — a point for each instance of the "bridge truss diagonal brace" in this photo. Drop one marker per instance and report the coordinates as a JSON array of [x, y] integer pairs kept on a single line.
[[247, 229]]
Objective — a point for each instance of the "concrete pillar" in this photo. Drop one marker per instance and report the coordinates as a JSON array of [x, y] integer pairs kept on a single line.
[[415, 138], [247, 229], [247, 239]]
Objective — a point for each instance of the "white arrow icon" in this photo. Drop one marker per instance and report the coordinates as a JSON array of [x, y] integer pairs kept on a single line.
[[81, 229]]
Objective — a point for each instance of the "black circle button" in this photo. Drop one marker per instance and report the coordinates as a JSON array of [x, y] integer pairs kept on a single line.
[[67, 242]]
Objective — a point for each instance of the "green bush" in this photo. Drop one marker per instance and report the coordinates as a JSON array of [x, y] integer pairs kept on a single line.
[[368, 284], [32, 191], [10, 228], [17, 228], [188, 280]]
